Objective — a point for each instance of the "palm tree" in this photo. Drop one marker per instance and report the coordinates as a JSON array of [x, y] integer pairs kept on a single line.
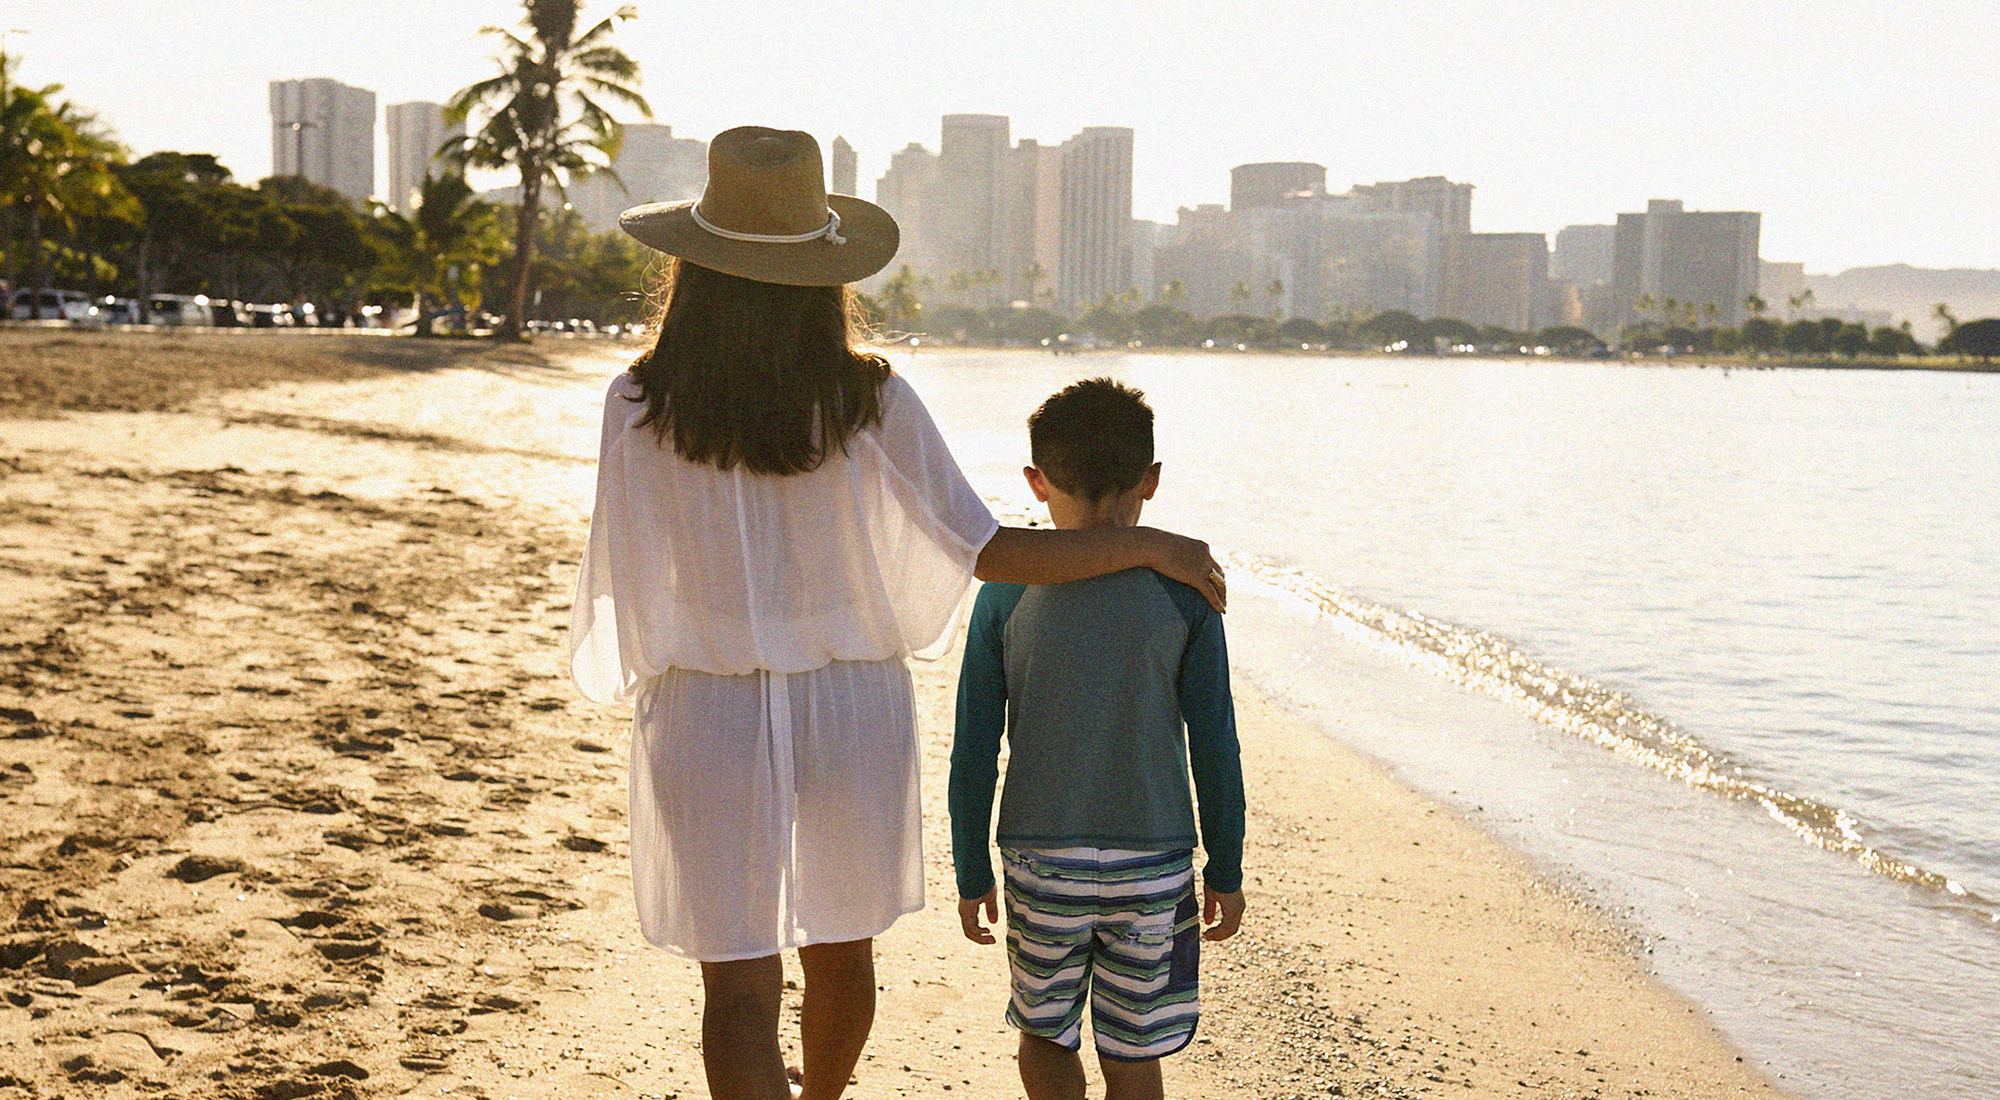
[[1642, 305], [902, 309], [444, 243], [55, 165], [1033, 275], [546, 117]]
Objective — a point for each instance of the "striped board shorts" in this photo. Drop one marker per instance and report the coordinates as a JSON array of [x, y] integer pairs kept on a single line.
[[1119, 927]]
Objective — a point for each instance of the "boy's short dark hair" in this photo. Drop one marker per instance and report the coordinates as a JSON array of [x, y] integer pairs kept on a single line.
[[1093, 438]]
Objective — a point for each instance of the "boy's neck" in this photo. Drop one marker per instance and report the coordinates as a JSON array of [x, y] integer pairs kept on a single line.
[[1114, 510]]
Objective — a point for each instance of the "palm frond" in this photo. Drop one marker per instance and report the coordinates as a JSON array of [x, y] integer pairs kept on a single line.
[[623, 93], [478, 92], [515, 43], [604, 62], [598, 121], [605, 25]]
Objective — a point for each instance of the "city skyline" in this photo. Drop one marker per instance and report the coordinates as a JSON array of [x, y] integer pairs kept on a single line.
[[1851, 127]]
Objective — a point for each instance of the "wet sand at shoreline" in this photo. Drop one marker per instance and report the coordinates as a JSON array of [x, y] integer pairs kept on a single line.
[[296, 799]]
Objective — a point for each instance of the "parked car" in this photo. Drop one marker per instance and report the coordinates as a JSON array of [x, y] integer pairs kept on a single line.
[[118, 311], [182, 309], [268, 316], [56, 305]]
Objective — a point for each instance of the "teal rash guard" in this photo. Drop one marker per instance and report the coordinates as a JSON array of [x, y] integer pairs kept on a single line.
[[1092, 682]]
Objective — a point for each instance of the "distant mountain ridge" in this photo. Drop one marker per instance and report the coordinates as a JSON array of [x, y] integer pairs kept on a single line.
[[1911, 293]]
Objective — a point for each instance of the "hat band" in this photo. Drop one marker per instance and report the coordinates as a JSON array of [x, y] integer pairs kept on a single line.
[[831, 231]]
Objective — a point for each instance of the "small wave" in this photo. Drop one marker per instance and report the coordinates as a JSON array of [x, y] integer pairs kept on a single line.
[[1592, 712]]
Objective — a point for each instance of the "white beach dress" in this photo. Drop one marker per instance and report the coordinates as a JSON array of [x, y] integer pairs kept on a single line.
[[760, 623]]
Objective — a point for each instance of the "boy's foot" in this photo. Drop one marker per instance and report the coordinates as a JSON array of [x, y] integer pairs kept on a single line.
[[797, 1077]]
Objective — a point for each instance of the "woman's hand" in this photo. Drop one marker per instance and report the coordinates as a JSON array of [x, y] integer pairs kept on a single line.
[[1189, 562]]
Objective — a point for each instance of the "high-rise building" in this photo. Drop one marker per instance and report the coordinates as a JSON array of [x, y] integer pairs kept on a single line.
[[844, 169], [324, 131], [1270, 183], [415, 132], [1200, 260], [1780, 284], [1033, 241], [972, 205], [1497, 279], [1323, 257], [652, 165], [1583, 254], [1096, 248], [1145, 249], [1448, 203], [1581, 268], [908, 190], [1685, 267], [1360, 260]]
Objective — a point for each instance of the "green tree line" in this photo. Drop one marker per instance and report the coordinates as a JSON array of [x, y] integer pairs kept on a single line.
[[899, 308]]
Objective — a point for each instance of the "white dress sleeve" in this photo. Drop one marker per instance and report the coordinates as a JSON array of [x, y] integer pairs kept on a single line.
[[928, 563], [603, 659]]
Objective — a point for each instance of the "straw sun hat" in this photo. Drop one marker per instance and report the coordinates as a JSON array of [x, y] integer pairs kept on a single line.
[[765, 215]]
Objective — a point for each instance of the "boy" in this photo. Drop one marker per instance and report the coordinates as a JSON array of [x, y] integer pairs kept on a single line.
[[1091, 682]]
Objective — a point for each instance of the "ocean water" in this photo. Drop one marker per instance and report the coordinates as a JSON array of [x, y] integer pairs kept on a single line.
[[1746, 624]]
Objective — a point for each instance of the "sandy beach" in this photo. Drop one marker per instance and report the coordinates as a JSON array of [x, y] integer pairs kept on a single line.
[[296, 799]]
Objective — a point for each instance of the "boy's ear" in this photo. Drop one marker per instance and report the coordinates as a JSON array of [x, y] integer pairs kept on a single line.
[[1037, 483], [1150, 484]]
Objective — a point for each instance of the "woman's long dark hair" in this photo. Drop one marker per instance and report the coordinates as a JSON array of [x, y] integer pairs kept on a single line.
[[757, 375]]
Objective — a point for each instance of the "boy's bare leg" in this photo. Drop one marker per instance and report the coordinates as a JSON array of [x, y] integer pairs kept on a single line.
[[838, 1012], [1132, 1080], [739, 1029], [1050, 1071]]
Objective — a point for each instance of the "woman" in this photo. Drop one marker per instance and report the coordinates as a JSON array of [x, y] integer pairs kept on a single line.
[[778, 525]]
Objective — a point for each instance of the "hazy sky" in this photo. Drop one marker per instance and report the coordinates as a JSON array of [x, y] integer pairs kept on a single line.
[[1864, 131]]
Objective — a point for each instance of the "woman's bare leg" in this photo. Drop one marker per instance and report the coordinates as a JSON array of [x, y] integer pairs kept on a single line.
[[739, 1029], [838, 1012]]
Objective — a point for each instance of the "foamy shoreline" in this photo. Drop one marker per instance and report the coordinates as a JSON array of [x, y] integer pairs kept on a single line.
[[1390, 949]]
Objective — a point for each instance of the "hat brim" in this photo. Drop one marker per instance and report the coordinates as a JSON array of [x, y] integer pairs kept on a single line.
[[871, 242]]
